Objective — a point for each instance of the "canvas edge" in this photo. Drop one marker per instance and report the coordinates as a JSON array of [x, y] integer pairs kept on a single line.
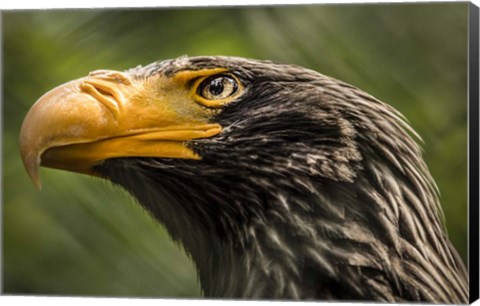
[[473, 92]]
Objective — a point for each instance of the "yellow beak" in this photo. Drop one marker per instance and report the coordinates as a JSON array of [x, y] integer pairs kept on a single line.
[[110, 114]]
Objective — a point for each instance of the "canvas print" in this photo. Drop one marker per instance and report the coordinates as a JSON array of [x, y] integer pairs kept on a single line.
[[303, 152]]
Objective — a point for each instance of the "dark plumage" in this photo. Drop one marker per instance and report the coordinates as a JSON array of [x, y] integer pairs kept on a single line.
[[312, 190]]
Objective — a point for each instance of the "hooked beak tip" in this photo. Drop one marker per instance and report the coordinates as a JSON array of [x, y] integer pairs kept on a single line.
[[31, 165], [37, 183]]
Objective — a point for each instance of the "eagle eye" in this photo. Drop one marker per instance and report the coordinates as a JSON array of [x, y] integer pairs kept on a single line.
[[218, 87]]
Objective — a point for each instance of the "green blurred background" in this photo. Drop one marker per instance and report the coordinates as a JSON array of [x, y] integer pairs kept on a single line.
[[82, 236]]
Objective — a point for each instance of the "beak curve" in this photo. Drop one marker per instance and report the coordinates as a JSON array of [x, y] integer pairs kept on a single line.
[[105, 115]]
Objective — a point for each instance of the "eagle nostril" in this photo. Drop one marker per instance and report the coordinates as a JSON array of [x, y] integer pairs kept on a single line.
[[103, 95], [104, 92]]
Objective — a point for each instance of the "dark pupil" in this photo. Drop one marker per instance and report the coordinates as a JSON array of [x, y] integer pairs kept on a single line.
[[216, 86]]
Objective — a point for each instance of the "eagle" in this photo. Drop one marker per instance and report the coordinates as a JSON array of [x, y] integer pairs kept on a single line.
[[279, 182]]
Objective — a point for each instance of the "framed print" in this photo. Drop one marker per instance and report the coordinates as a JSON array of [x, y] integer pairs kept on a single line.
[[321, 152]]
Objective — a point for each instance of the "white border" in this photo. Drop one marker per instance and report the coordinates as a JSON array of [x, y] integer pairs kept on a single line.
[[55, 4]]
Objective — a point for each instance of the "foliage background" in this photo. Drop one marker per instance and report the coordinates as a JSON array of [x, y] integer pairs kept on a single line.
[[81, 236]]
